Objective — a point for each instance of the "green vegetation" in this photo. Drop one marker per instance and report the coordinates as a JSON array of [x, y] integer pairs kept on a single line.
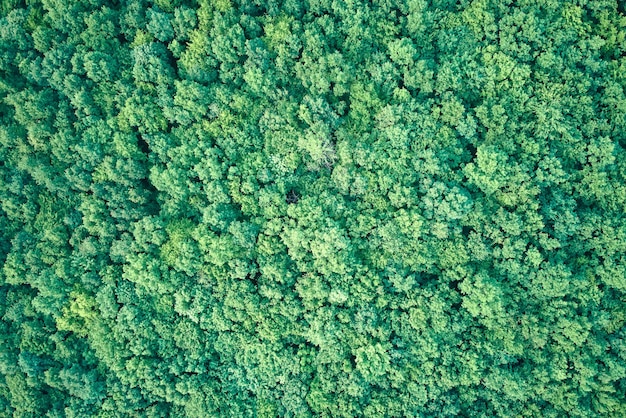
[[262, 208]]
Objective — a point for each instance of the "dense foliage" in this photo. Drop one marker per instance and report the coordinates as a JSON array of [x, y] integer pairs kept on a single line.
[[261, 208]]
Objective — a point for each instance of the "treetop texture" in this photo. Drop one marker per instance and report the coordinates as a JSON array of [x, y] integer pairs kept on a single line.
[[312, 208]]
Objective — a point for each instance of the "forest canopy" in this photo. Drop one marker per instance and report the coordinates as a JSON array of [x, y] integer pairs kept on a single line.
[[312, 208]]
